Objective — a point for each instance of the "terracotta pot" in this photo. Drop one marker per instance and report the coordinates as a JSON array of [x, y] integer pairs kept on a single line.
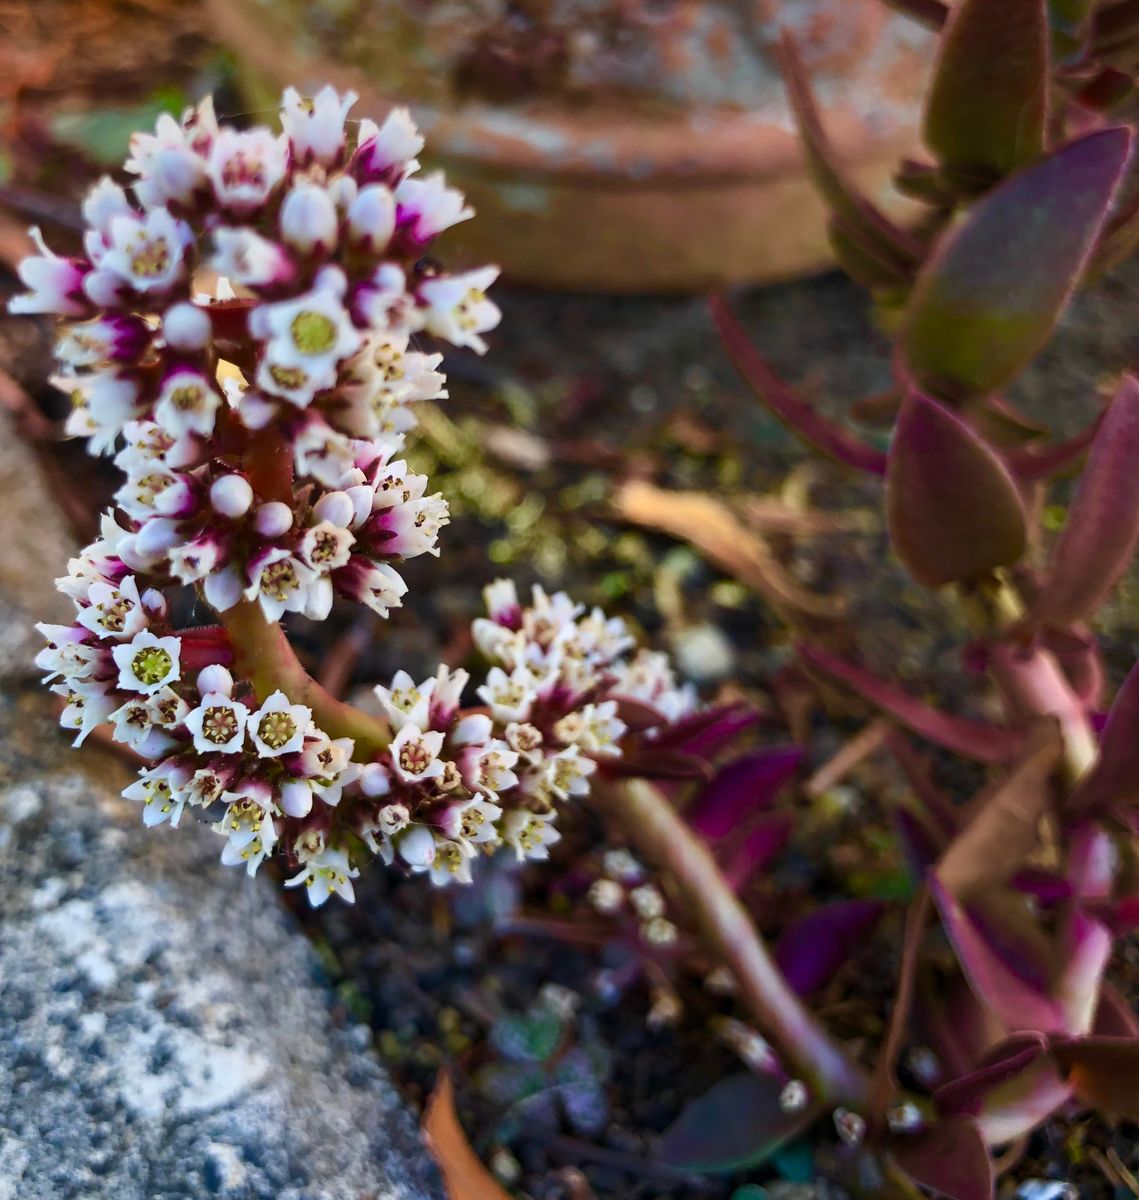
[[623, 145]]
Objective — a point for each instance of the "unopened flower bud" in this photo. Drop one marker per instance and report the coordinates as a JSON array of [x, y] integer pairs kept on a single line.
[[417, 847], [308, 219], [186, 327], [753, 1048], [621, 865], [375, 780], [231, 496], [721, 982], [666, 1009], [794, 1097], [851, 1128], [273, 519], [659, 932], [155, 603], [156, 537], [394, 818], [371, 217], [647, 902], [296, 798], [606, 895], [103, 288], [215, 679], [334, 507], [904, 1118]]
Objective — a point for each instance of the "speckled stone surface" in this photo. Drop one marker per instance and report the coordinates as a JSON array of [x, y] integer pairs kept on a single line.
[[165, 1032]]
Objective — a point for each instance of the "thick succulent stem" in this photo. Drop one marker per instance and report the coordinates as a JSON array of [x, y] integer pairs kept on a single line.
[[262, 651], [661, 835], [263, 655], [1033, 684]]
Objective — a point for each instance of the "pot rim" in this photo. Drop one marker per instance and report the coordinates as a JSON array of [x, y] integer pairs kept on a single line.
[[605, 145]]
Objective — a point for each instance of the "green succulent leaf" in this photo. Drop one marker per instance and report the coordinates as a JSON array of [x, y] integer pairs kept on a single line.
[[737, 1123], [989, 296], [1102, 529], [988, 104]]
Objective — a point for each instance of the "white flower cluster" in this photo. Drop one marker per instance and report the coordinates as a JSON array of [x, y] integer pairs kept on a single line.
[[314, 243], [259, 428], [450, 783], [454, 783]]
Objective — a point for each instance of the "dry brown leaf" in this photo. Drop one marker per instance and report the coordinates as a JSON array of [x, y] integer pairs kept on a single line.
[[769, 514], [867, 741], [1004, 826], [464, 1175], [713, 529]]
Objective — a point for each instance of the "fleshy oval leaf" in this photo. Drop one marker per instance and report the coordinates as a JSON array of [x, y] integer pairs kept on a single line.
[[988, 298], [987, 105], [953, 509], [1114, 778], [973, 739], [737, 1123], [1104, 1071], [949, 1158], [746, 786], [1102, 530], [1017, 1002], [813, 948]]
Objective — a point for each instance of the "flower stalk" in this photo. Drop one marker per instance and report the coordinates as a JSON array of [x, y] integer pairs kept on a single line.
[[661, 835], [264, 656]]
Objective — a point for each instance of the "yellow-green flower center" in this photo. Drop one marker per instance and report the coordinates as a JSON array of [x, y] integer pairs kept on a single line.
[[219, 724], [276, 729], [152, 665], [313, 333]]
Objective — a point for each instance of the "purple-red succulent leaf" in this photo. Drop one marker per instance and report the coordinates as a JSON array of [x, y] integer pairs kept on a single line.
[[1004, 821], [1114, 1017], [943, 813], [786, 404], [1079, 656], [647, 761], [705, 734], [1099, 538], [1070, 16], [741, 858], [965, 1095], [1104, 1071], [862, 218], [953, 510], [956, 1025], [931, 13], [1114, 778], [988, 297], [987, 105], [747, 785], [738, 1123], [1045, 886], [1018, 1003], [1000, 423], [1085, 947], [868, 269], [922, 842], [973, 739], [813, 948], [1120, 234], [1115, 24], [1028, 463], [949, 1158], [1013, 1089]]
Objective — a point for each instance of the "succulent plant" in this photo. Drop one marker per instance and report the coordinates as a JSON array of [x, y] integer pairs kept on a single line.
[[1022, 890]]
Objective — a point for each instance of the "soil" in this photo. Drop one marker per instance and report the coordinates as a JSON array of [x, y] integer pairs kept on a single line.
[[577, 393]]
